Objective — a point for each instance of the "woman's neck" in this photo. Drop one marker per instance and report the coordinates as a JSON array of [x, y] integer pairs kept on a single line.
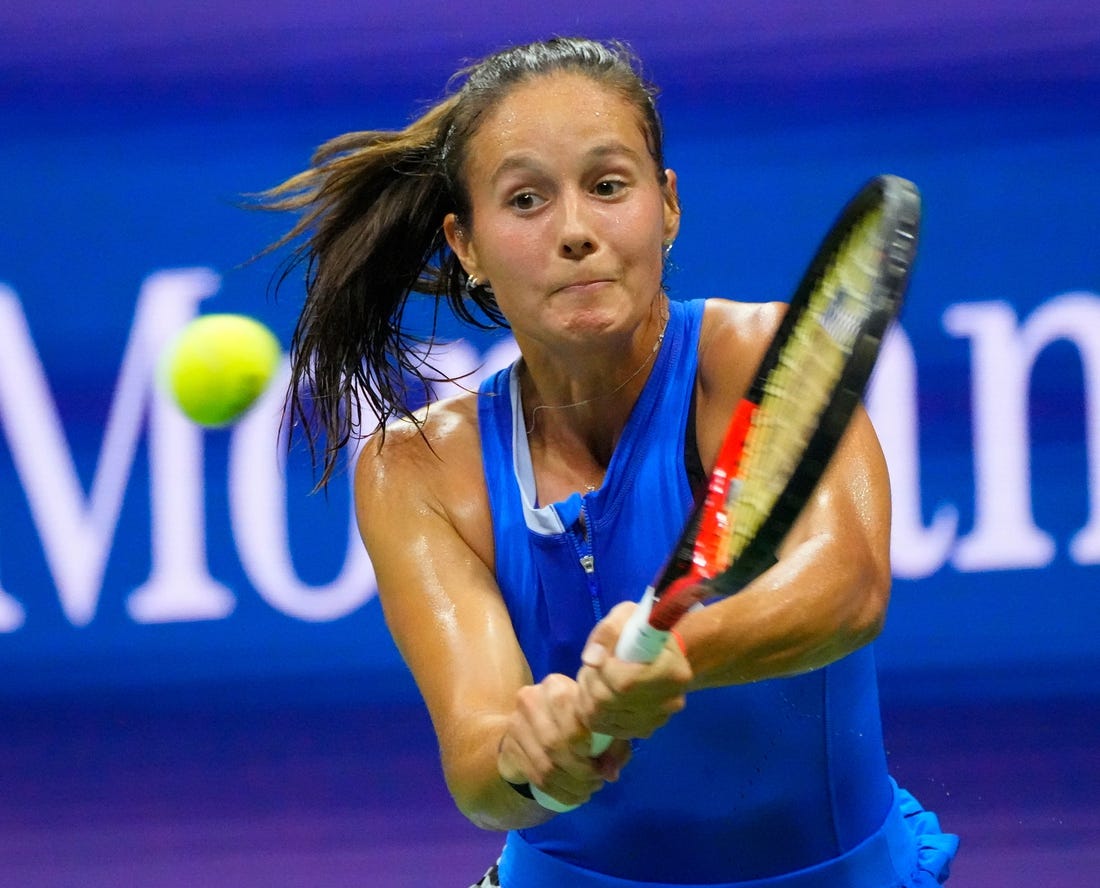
[[601, 404]]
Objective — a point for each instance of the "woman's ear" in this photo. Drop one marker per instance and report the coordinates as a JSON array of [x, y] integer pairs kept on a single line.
[[459, 242], [672, 206]]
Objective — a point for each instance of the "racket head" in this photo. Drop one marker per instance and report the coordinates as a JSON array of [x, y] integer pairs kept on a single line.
[[807, 386]]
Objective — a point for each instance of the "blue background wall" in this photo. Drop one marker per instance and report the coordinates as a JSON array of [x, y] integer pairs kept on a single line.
[[128, 131]]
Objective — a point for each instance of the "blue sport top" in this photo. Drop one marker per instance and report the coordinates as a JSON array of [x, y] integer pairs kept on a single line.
[[749, 781]]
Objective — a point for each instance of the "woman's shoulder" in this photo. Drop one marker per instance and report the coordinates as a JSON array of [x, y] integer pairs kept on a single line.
[[734, 320], [429, 464], [432, 451], [733, 339], [441, 432]]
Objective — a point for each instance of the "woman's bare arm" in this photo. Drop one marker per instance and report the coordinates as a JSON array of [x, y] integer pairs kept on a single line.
[[423, 514], [826, 596]]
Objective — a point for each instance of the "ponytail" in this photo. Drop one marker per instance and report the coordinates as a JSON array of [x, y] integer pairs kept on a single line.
[[371, 210]]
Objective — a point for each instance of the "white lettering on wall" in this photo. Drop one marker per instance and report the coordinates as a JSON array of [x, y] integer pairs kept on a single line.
[[1004, 352], [258, 512], [460, 361], [915, 550], [77, 531], [179, 587]]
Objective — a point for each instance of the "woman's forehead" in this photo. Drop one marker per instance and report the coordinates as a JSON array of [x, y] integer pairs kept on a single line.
[[564, 109], [550, 95]]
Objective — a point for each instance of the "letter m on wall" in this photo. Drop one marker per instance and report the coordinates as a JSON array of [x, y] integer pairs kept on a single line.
[[77, 529]]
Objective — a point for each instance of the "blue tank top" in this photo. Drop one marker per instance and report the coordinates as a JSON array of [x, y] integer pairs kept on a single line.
[[749, 781]]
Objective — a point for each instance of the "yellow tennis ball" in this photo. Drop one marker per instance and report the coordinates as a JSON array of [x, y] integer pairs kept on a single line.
[[218, 365]]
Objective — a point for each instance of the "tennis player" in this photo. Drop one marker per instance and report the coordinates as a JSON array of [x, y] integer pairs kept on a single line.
[[510, 528]]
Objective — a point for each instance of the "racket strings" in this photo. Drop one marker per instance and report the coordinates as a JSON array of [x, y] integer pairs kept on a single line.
[[802, 383]]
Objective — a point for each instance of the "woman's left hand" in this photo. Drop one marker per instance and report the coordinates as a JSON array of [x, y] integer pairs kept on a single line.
[[624, 699]]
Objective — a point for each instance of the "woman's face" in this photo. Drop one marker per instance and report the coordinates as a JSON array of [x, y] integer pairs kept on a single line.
[[567, 214]]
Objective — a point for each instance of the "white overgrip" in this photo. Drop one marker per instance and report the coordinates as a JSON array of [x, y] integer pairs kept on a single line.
[[640, 642]]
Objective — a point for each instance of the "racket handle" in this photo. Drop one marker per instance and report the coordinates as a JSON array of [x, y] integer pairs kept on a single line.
[[549, 802], [638, 643]]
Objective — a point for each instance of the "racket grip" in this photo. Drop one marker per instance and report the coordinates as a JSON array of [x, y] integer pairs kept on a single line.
[[549, 802], [638, 643]]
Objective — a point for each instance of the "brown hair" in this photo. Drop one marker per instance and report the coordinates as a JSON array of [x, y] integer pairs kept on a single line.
[[369, 235]]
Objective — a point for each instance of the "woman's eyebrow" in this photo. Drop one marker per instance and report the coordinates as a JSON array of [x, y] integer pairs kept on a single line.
[[522, 162], [528, 163], [612, 149]]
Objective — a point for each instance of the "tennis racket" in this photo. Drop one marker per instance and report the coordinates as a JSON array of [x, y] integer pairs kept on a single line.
[[785, 430]]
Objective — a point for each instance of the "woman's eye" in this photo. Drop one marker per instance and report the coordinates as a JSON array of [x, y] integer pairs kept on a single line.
[[609, 187], [526, 200]]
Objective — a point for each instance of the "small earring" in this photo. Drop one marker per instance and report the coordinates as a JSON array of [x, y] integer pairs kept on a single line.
[[666, 248], [473, 283]]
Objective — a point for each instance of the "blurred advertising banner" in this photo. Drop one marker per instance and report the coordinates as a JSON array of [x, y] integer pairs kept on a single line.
[[138, 551]]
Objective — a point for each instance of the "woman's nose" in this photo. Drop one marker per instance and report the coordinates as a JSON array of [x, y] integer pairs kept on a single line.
[[578, 239]]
